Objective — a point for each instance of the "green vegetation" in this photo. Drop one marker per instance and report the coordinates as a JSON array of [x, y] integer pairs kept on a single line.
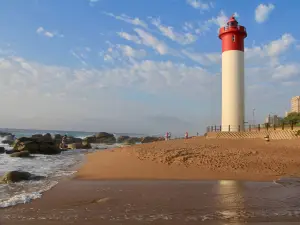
[[292, 118]]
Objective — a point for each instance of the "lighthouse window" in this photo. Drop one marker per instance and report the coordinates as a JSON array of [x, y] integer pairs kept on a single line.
[[233, 38]]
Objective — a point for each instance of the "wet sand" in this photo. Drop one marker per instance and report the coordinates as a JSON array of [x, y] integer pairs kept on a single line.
[[161, 202], [196, 158], [158, 183]]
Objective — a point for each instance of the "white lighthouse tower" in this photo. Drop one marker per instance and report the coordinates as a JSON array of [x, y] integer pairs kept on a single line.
[[233, 96]]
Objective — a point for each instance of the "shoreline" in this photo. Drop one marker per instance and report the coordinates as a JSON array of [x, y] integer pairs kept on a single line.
[[115, 185], [113, 202]]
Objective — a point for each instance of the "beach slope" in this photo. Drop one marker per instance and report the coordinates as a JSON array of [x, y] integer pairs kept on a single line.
[[196, 158]]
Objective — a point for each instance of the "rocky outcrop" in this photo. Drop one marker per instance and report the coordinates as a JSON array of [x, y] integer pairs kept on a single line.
[[151, 139], [101, 138], [8, 139], [122, 139], [83, 145], [15, 176], [3, 134], [86, 145], [18, 176], [128, 140], [37, 145], [23, 154]]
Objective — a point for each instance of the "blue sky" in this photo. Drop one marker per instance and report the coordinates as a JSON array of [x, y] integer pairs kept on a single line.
[[146, 66]]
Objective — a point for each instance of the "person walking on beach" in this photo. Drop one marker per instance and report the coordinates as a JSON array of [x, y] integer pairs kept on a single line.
[[186, 135], [63, 144], [167, 136]]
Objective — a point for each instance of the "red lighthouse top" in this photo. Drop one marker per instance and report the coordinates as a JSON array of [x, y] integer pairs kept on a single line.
[[232, 35]]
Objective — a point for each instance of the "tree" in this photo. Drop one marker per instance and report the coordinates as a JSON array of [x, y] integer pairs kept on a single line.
[[292, 118]]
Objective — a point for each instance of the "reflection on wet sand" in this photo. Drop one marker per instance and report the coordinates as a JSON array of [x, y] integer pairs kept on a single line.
[[230, 198], [161, 202]]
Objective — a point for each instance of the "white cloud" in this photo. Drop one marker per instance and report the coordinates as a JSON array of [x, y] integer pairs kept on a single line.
[[131, 52], [65, 98], [184, 39], [130, 37], [151, 41], [135, 21], [48, 34], [199, 4], [121, 53], [281, 45], [221, 19], [286, 71], [271, 51], [205, 59], [262, 12]]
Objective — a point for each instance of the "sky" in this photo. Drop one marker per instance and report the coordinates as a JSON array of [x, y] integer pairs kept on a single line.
[[142, 66]]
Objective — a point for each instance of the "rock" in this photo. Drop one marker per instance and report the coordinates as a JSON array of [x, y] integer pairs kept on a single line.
[[57, 136], [22, 139], [8, 139], [132, 140], [37, 136], [30, 146], [71, 140], [103, 135], [23, 154], [105, 138], [122, 139], [3, 134], [38, 145], [75, 146], [15, 176], [2, 150], [10, 152], [45, 138], [86, 145], [49, 148], [7, 142], [91, 139], [151, 139]]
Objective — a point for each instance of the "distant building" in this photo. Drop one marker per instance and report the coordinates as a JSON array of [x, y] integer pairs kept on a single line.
[[274, 120], [295, 104]]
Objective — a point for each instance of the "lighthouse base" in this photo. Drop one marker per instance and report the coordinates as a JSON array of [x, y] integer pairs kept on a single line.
[[232, 128]]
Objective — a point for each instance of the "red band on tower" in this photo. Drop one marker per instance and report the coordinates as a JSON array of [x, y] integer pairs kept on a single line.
[[232, 36]]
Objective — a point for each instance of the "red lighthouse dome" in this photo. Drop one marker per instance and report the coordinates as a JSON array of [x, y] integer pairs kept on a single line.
[[232, 35]]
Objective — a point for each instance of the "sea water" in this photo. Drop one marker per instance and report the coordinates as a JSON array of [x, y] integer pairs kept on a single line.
[[52, 167]]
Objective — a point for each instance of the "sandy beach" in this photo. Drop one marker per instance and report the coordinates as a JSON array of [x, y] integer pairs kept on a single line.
[[196, 158], [175, 182]]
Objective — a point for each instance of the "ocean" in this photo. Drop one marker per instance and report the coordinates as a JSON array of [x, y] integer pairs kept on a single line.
[[53, 167]]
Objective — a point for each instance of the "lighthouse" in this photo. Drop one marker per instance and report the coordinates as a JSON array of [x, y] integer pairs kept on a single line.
[[233, 96]]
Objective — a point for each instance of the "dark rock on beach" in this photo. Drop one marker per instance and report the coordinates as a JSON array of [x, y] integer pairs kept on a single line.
[[8, 139], [23, 154], [10, 152], [18, 176], [3, 134], [101, 138], [151, 139], [15, 176], [37, 144], [122, 139], [2, 150]]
